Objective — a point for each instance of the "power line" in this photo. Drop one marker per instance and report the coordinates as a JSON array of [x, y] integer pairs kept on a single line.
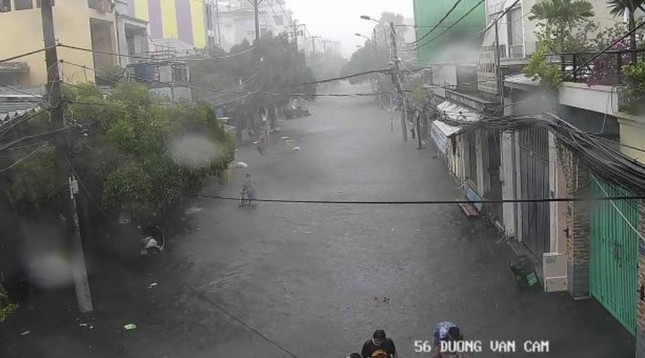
[[239, 320], [24, 55], [429, 202], [439, 23], [25, 157], [449, 28]]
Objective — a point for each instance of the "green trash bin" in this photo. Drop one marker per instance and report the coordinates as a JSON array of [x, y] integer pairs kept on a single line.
[[524, 272]]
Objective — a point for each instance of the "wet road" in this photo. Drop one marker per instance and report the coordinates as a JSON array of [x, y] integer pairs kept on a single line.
[[319, 279]]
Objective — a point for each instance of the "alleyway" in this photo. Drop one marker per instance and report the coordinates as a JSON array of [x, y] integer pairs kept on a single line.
[[319, 279]]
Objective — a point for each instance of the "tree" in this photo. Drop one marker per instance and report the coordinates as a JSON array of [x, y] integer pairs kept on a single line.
[[559, 20], [281, 65], [326, 64], [133, 158], [619, 8]]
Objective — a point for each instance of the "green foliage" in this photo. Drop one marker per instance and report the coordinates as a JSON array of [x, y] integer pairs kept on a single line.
[[281, 65], [538, 69], [565, 13], [620, 7], [6, 307], [634, 88], [126, 161], [34, 180]]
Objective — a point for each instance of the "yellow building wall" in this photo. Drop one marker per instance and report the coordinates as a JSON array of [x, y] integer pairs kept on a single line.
[[169, 19], [199, 32], [632, 133], [22, 32], [141, 10]]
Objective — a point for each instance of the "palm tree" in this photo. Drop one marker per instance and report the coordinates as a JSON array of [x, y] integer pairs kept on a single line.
[[563, 15], [563, 12], [619, 8]]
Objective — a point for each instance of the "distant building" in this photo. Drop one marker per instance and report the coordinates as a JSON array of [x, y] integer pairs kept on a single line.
[[234, 21], [185, 21]]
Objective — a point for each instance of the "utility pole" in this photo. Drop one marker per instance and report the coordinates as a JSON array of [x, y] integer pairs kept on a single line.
[[256, 12], [313, 43], [219, 32], [296, 26], [498, 70], [397, 82], [68, 184]]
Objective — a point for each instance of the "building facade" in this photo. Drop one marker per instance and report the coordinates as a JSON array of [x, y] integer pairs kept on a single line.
[[428, 14], [234, 21], [89, 24], [184, 21]]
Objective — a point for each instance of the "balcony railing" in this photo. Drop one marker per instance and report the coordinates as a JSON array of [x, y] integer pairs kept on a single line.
[[607, 69]]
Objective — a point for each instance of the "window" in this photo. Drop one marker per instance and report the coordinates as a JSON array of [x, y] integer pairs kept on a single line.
[[5, 5], [515, 36], [23, 4]]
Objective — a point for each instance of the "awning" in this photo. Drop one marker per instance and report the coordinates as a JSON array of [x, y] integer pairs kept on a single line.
[[441, 131], [457, 112]]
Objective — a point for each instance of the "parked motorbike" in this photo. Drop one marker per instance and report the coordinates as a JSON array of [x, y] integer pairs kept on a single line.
[[153, 241]]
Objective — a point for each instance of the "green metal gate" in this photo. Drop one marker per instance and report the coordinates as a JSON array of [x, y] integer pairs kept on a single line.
[[614, 253]]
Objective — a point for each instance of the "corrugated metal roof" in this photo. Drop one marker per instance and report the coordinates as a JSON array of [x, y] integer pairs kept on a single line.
[[16, 102]]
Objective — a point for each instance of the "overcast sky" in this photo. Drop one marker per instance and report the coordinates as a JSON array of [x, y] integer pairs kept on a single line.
[[340, 19]]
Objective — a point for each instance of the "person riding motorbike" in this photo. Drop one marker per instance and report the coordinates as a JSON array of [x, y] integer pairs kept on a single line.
[[248, 189], [446, 331]]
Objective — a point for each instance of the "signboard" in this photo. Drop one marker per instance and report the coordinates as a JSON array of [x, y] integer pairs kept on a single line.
[[486, 70]]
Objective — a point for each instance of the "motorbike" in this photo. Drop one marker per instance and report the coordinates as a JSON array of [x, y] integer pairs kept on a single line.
[[245, 200], [153, 241]]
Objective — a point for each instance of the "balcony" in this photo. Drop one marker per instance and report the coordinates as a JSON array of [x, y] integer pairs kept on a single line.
[[606, 70]]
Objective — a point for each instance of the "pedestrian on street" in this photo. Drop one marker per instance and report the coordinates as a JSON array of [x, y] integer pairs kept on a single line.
[[379, 346]]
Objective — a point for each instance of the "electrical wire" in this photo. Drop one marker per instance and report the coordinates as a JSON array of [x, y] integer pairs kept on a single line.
[[24, 55], [32, 153], [79, 179], [12, 143], [429, 202], [435, 27]]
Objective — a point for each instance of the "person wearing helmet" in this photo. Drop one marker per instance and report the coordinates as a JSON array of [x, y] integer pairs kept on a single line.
[[379, 346], [446, 331]]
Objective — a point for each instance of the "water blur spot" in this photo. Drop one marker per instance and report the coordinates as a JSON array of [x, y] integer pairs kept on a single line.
[[195, 151]]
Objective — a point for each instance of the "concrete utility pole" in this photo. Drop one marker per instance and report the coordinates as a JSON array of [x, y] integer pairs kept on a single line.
[[256, 12], [313, 43], [397, 82], [219, 32], [500, 82], [68, 184]]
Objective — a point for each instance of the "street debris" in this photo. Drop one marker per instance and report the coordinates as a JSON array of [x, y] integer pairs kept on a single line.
[[25, 333], [193, 210], [152, 285], [296, 149], [240, 165], [284, 137], [130, 326]]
